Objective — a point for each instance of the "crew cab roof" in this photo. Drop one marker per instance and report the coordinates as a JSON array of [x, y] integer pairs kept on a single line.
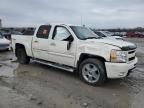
[[60, 24]]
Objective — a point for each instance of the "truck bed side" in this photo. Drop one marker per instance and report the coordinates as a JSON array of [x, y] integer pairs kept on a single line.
[[24, 40]]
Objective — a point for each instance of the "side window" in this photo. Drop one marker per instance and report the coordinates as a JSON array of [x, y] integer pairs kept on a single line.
[[61, 34], [43, 31]]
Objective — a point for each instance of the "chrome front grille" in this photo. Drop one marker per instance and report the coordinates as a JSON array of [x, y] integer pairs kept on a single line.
[[130, 52], [131, 55], [132, 58]]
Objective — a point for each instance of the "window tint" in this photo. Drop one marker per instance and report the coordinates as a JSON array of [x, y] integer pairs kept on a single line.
[[61, 33], [43, 31]]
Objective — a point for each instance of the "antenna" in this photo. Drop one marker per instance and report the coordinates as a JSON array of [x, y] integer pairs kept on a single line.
[[0, 23], [81, 20]]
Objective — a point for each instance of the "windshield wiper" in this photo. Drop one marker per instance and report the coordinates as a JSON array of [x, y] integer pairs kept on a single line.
[[92, 38]]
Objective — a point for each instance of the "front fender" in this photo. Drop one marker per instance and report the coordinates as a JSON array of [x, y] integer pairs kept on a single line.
[[99, 50]]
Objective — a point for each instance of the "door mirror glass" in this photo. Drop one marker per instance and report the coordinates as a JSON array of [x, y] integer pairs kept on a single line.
[[70, 38]]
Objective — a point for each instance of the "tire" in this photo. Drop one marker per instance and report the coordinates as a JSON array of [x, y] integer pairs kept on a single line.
[[92, 71], [22, 56], [6, 49]]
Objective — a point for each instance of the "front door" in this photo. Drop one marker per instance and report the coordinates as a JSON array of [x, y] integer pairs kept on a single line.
[[58, 51]]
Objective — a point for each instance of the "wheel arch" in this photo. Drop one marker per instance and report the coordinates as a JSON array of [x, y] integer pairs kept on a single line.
[[17, 46], [85, 56]]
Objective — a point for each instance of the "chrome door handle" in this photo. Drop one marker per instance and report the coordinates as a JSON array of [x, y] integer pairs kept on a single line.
[[53, 44], [35, 41]]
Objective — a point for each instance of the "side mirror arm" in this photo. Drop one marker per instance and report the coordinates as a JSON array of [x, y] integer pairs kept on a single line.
[[70, 42], [69, 45]]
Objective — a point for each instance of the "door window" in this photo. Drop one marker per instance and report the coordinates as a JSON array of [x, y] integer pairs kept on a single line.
[[61, 34], [43, 31]]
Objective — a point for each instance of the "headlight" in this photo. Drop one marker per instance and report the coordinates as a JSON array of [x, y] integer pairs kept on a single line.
[[118, 56]]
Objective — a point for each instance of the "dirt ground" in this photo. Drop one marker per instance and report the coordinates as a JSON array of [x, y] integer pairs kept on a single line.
[[40, 86]]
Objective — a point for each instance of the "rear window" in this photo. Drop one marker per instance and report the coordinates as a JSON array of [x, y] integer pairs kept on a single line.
[[1, 36], [43, 31], [29, 32]]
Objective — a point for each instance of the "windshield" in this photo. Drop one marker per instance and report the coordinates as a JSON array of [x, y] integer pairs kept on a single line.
[[83, 32], [107, 33], [100, 34]]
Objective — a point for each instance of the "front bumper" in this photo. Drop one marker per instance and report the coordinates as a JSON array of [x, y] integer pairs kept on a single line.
[[119, 70], [4, 46]]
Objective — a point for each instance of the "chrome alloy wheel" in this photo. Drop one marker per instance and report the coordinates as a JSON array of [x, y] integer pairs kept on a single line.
[[90, 73]]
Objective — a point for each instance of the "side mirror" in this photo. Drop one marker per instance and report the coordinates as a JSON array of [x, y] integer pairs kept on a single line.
[[70, 40]]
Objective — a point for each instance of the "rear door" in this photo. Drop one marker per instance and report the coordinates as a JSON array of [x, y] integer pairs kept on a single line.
[[40, 42]]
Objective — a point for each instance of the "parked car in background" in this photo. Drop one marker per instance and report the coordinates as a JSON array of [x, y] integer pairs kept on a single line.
[[7, 35], [133, 34], [4, 43], [121, 34], [72, 47], [106, 34], [139, 34]]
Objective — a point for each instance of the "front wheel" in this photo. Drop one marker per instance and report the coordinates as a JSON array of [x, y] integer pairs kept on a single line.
[[92, 71]]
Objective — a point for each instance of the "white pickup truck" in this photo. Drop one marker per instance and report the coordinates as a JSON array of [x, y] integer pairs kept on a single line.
[[76, 48]]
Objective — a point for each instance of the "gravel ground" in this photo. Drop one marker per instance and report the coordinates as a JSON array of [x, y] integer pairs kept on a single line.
[[40, 86]]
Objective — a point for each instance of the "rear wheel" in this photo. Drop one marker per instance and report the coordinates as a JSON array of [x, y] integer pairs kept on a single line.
[[22, 56], [92, 71]]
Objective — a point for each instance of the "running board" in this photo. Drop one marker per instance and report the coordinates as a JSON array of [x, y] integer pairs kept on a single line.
[[59, 66]]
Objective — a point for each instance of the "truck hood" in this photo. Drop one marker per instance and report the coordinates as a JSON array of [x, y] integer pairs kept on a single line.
[[124, 45]]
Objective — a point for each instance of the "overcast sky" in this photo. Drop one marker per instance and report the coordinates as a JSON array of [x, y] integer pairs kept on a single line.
[[94, 13]]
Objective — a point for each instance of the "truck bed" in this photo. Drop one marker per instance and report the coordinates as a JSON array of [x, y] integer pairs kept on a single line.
[[24, 40]]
